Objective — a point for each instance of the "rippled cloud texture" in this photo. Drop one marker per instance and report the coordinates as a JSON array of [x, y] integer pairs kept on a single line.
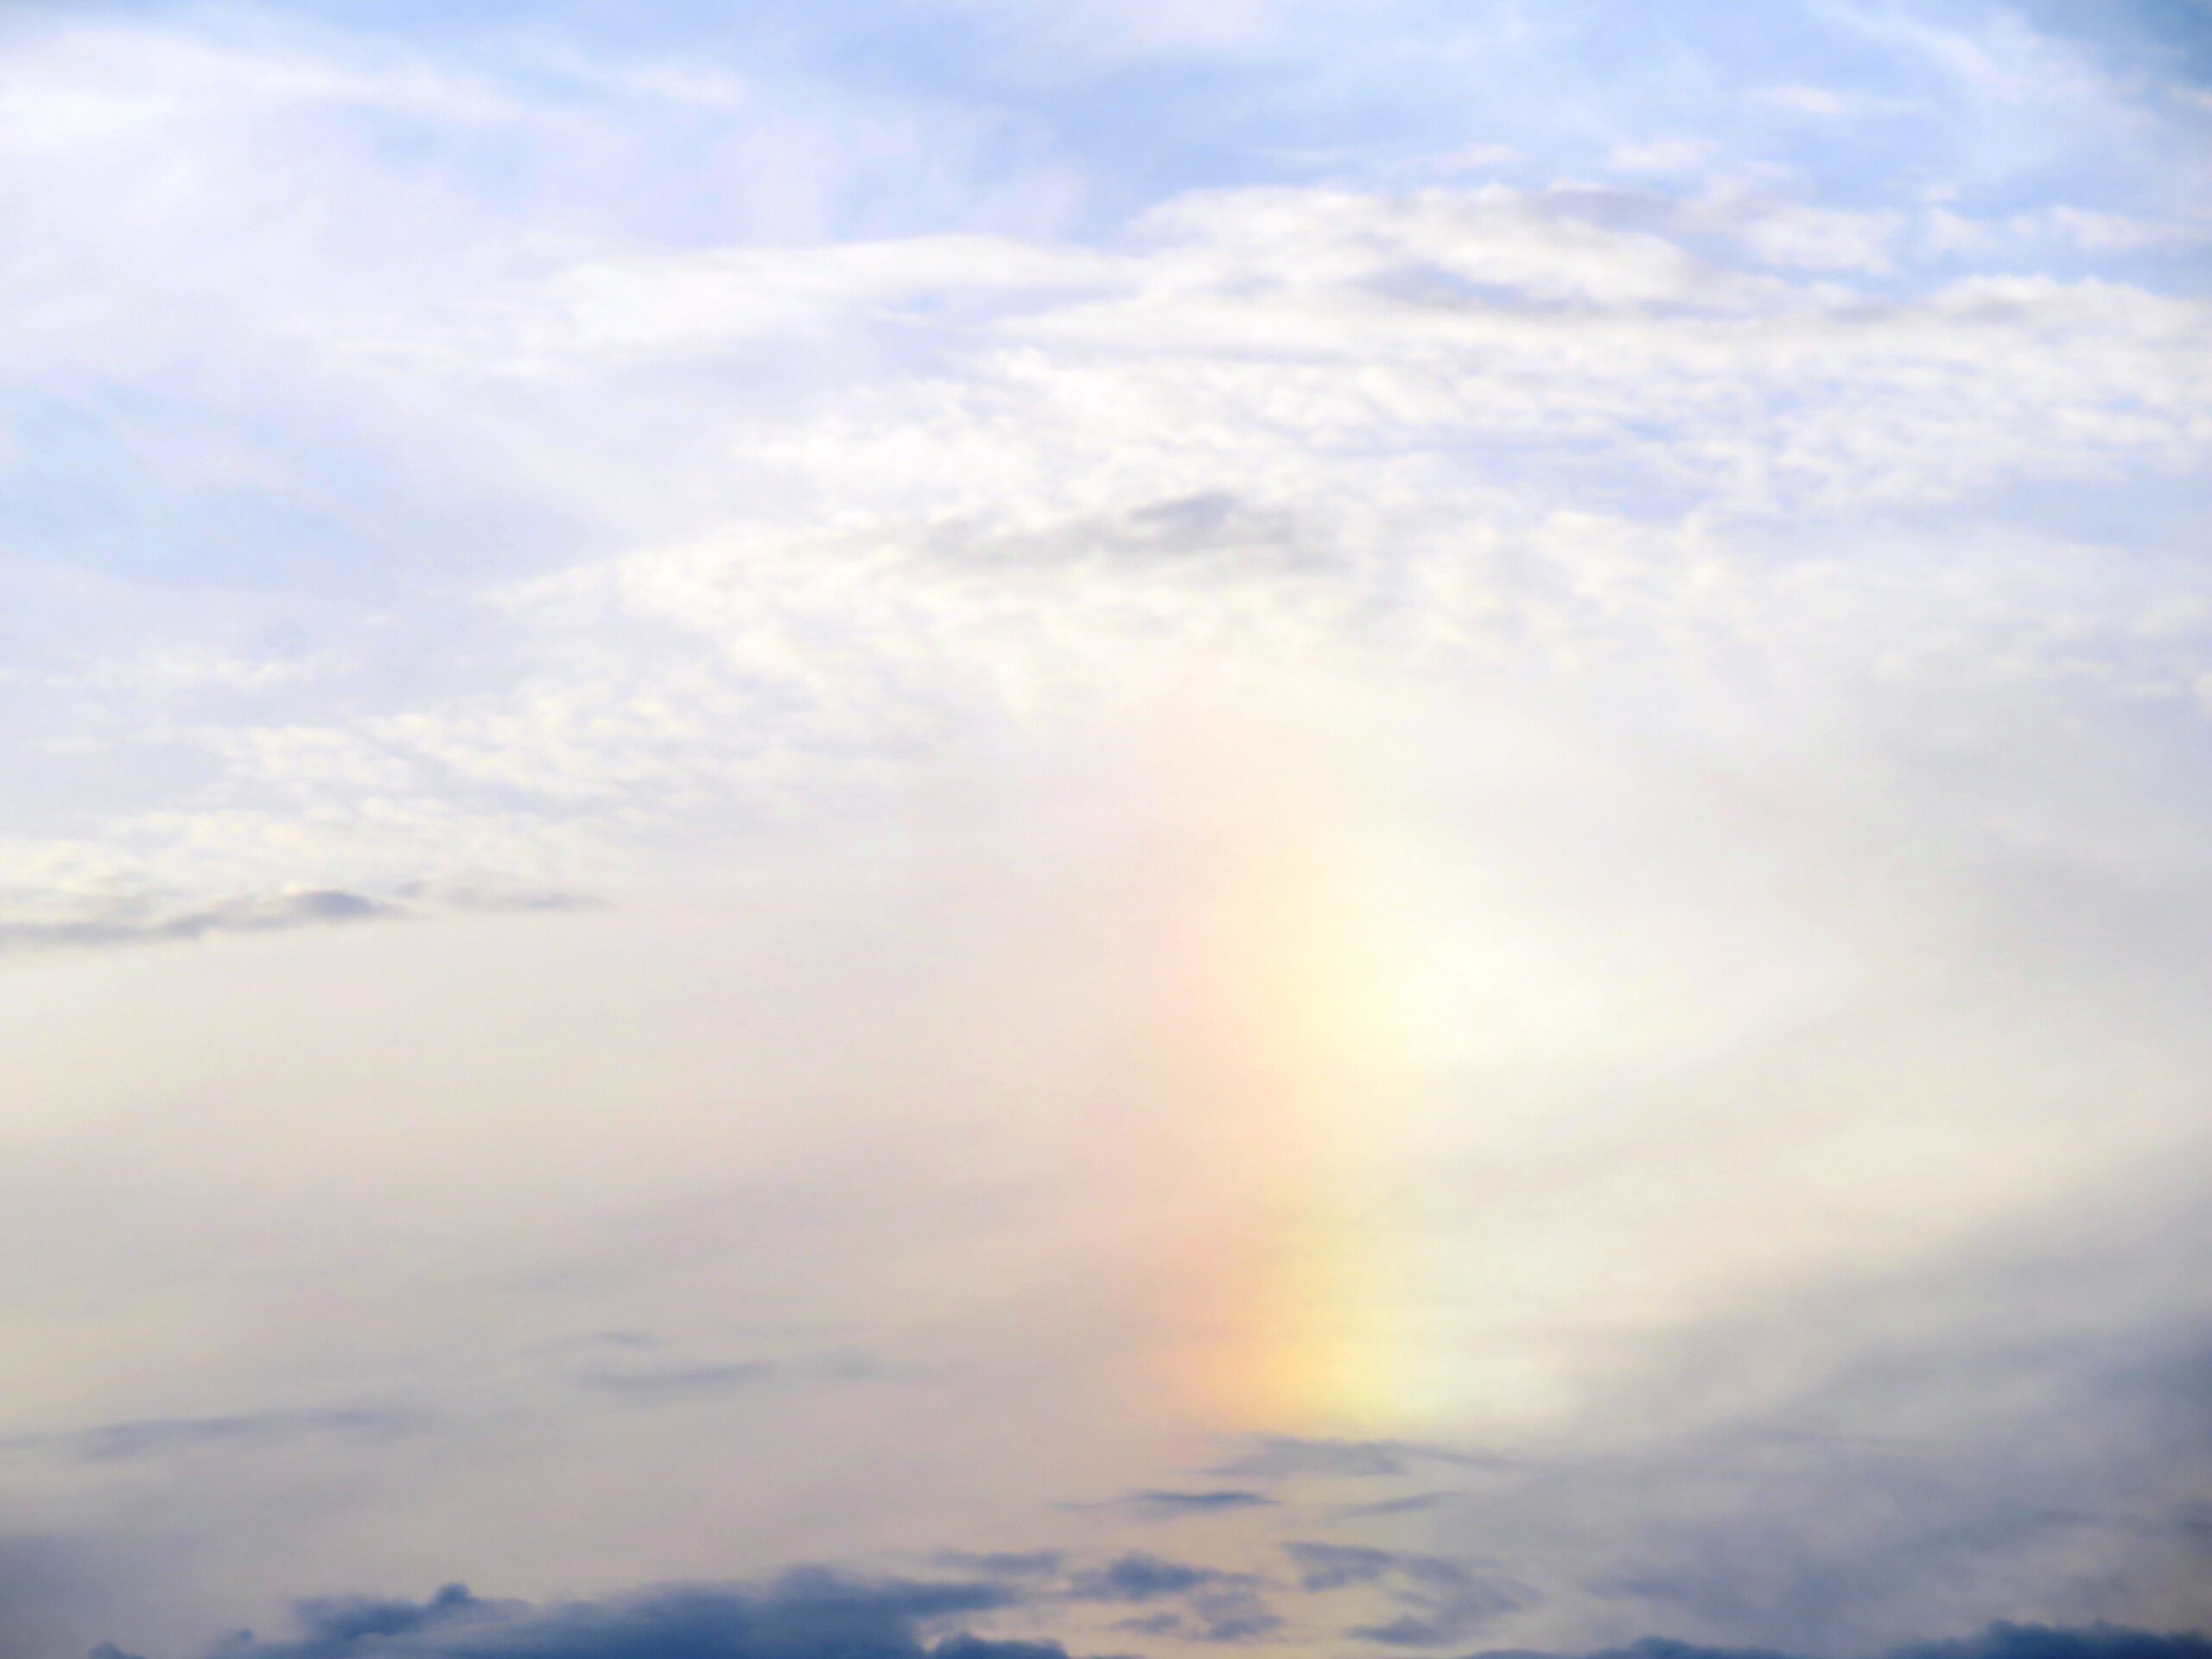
[[956, 828]]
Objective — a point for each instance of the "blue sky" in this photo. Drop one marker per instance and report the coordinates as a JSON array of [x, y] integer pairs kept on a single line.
[[1334, 828]]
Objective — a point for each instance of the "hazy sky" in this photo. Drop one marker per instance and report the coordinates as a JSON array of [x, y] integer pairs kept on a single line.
[[834, 830]]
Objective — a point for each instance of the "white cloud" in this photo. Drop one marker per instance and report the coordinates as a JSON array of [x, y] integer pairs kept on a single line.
[[1306, 430], [2100, 232], [1118, 30], [1817, 101], [1663, 156], [1762, 670]]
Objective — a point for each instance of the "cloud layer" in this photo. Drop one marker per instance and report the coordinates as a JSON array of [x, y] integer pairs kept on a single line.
[[1299, 827]]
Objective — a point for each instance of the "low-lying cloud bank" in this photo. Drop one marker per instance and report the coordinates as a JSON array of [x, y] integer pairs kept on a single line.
[[813, 1613], [807, 1615], [2000, 1641]]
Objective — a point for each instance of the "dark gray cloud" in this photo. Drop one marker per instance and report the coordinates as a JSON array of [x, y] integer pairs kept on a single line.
[[2022, 1432], [1439, 1600], [1436, 1629], [1283, 1457], [1412, 1503], [1999, 1641], [650, 1384], [140, 919], [1141, 1577], [1239, 1627], [137, 921], [42, 1580], [150, 1437], [1220, 1606], [810, 1614], [2013, 1464], [1002, 1563], [1331, 1566], [1163, 1503]]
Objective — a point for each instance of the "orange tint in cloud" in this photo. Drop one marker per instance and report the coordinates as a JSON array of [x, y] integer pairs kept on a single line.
[[1282, 1084]]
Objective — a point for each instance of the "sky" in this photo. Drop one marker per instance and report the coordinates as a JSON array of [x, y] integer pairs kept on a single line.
[[949, 830]]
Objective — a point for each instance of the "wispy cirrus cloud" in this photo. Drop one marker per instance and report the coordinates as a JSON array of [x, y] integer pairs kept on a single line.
[[162, 1437]]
